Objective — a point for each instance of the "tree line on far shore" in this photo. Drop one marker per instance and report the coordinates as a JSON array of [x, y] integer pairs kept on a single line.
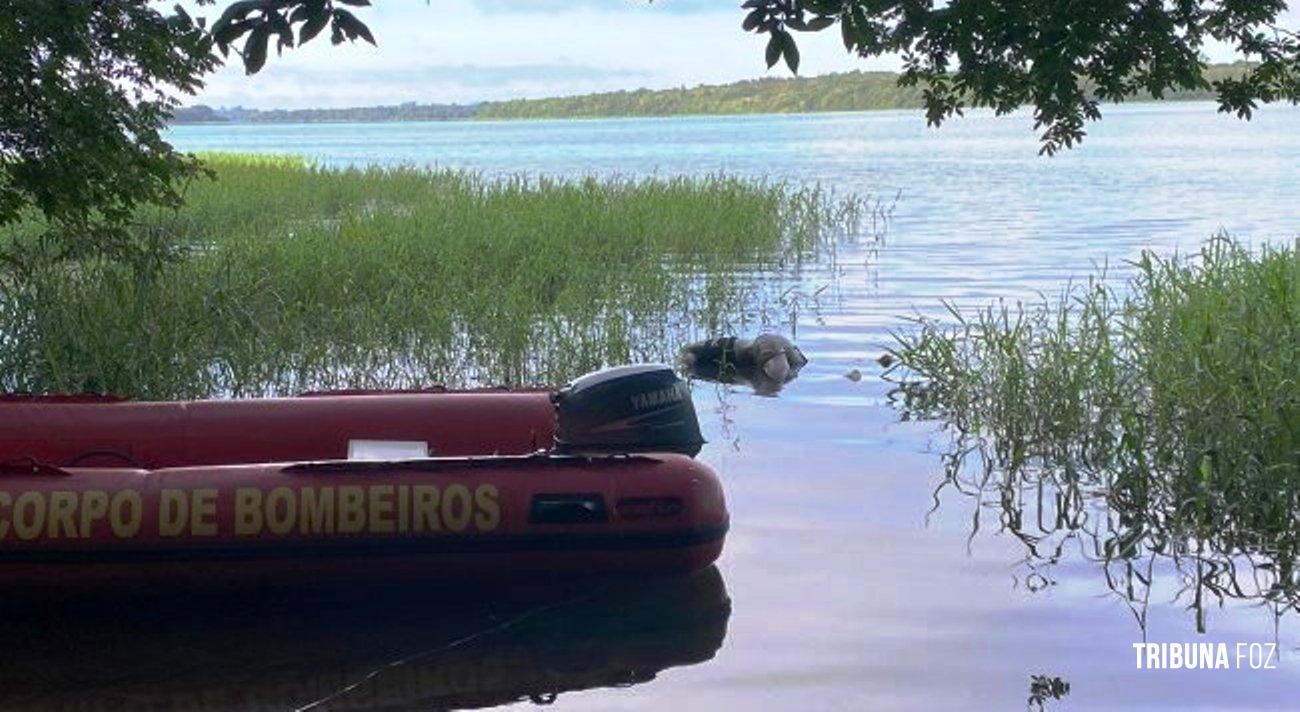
[[847, 91]]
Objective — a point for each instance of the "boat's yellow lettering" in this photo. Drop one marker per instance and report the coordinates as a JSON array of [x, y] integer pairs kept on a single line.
[[63, 507], [281, 510], [317, 510], [352, 510], [173, 512], [68, 514], [403, 508], [187, 511], [6, 501], [125, 513], [488, 515], [203, 512], [94, 507], [457, 507], [248, 510], [381, 509], [29, 515], [426, 508]]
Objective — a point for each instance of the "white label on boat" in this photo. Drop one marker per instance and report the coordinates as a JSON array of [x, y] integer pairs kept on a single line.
[[387, 449]]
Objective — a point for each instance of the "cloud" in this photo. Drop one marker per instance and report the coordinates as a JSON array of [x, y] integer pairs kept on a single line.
[[465, 51], [462, 51], [320, 85]]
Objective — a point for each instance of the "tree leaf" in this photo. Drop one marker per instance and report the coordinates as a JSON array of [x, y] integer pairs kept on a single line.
[[824, 7], [791, 53], [236, 11], [280, 26], [847, 34], [225, 34], [351, 26], [313, 26], [817, 24], [773, 49], [255, 49]]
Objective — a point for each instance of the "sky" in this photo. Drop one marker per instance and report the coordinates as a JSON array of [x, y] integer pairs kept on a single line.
[[462, 51]]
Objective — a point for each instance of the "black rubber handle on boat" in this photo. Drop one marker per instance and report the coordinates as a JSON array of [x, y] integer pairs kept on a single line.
[[105, 453]]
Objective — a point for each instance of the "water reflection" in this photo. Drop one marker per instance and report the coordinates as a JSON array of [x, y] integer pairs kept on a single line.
[[1045, 688], [1191, 540], [359, 649]]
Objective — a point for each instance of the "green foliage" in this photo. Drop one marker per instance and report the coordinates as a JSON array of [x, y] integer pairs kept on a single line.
[[852, 91], [1162, 420], [408, 111], [1045, 53], [288, 277], [86, 89], [258, 21]]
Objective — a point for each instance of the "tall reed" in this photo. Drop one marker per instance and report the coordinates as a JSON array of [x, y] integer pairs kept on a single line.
[[284, 276], [1160, 420]]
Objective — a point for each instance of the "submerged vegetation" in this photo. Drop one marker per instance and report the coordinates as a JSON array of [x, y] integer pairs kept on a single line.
[[279, 276], [1156, 425]]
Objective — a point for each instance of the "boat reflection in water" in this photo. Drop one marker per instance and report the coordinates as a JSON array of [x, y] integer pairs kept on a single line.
[[357, 648]]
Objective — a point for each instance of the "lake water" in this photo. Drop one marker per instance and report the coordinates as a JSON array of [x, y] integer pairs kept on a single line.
[[846, 591]]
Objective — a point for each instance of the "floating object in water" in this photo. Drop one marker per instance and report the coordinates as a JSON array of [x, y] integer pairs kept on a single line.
[[95, 490], [854, 375], [886, 360], [766, 363]]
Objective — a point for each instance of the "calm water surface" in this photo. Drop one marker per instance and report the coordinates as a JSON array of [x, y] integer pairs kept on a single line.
[[845, 590]]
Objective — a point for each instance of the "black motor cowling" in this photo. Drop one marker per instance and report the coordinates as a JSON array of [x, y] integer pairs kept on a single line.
[[627, 409]]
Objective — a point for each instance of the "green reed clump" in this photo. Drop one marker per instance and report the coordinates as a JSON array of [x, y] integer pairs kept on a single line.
[[281, 276], [1173, 401]]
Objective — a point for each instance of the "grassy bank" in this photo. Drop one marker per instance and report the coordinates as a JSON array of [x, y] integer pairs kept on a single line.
[[286, 277], [1160, 419]]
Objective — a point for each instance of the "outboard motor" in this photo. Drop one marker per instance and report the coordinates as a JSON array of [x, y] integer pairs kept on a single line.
[[627, 409]]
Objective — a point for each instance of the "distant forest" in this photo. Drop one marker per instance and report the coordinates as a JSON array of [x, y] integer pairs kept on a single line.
[[202, 114], [849, 91]]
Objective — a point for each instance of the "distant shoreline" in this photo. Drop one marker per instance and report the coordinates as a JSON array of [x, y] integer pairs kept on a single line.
[[843, 92], [1143, 102]]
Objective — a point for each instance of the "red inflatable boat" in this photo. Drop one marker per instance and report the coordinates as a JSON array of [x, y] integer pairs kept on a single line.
[[467, 485]]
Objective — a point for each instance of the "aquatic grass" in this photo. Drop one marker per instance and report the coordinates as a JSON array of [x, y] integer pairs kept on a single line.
[[285, 276], [1155, 420]]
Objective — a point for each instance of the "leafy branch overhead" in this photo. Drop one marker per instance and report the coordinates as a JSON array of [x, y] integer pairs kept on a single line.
[[86, 89], [86, 92], [1060, 58], [289, 22]]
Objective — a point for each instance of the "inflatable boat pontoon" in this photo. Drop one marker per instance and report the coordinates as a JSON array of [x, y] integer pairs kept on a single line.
[[596, 478]]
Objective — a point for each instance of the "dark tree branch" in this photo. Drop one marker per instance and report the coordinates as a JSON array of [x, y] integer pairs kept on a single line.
[[1058, 57]]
